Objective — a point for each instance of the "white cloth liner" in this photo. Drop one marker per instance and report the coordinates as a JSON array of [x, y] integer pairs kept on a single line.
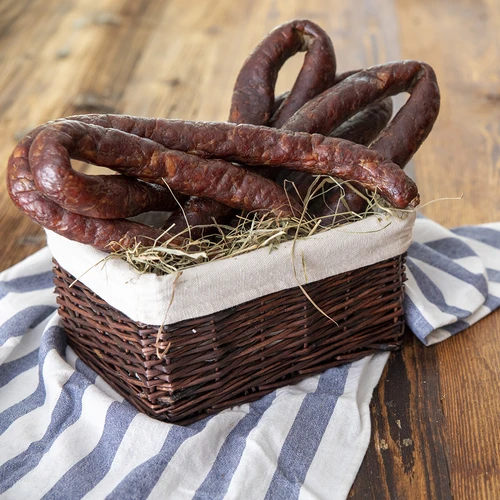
[[215, 286]]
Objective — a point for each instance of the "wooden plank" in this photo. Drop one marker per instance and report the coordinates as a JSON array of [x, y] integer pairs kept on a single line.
[[407, 457], [463, 156], [26, 29], [435, 418], [469, 380], [62, 59], [448, 400]]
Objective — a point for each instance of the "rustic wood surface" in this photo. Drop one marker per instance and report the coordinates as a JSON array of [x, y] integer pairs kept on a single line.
[[436, 412]]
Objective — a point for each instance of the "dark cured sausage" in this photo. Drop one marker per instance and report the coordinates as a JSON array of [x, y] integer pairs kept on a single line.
[[253, 96], [96, 232], [400, 140], [355, 90], [254, 102], [105, 196], [195, 159], [253, 145], [129, 196], [144, 159], [123, 145], [195, 214], [46, 149], [365, 126], [336, 206], [362, 128]]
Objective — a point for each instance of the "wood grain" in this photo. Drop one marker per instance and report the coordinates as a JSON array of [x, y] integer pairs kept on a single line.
[[451, 405], [436, 411]]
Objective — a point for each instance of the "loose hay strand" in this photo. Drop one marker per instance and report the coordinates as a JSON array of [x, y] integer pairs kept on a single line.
[[160, 330]]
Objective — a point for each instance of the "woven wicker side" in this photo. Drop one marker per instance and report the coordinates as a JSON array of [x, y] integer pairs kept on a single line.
[[197, 367]]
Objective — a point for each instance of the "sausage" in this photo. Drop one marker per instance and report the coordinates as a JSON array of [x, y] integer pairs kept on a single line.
[[253, 96], [109, 196], [259, 145], [355, 90], [112, 196], [336, 206], [257, 78], [142, 148], [400, 140], [106, 235], [346, 74], [326, 122], [317, 74], [149, 161], [133, 154], [43, 157], [253, 99], [197, 217], [362, 128]]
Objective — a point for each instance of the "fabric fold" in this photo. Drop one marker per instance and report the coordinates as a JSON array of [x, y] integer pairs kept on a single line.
[[453, 278]]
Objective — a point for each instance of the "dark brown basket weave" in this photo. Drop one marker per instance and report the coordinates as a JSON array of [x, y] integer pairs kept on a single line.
[[240, 354]]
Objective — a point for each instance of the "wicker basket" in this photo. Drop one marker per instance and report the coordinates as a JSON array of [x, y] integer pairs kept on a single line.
[[197, 367]]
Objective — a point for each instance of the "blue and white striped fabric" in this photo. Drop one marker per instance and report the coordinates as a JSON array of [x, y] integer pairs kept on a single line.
[[453, 278], [64, 433]]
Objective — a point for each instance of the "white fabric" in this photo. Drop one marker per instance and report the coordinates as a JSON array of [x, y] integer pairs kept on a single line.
[[219, 285]]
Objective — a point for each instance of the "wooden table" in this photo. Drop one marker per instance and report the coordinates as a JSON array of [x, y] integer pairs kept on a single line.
[[436, 412]]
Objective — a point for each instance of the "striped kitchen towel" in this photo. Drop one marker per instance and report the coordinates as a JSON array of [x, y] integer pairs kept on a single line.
[[453, 278], [65, 434]]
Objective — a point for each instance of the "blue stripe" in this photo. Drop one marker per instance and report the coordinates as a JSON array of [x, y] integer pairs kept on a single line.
[[451, 247], [492, 302], [85, 370], [67, 411], [89, 471], [24, 320], [493, 275], [433, 258], [139, 482], [456, 327], [432, 292], [11, 369], [27, 284], [306, 434], [216, 483], [416, 321], [485, 235], [53, 338]]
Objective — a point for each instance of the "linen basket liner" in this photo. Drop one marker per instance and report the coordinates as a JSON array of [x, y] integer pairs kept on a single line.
[[215, 286]]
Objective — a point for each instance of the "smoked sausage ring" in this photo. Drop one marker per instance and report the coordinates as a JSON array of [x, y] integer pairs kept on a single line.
[[253, 96]]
